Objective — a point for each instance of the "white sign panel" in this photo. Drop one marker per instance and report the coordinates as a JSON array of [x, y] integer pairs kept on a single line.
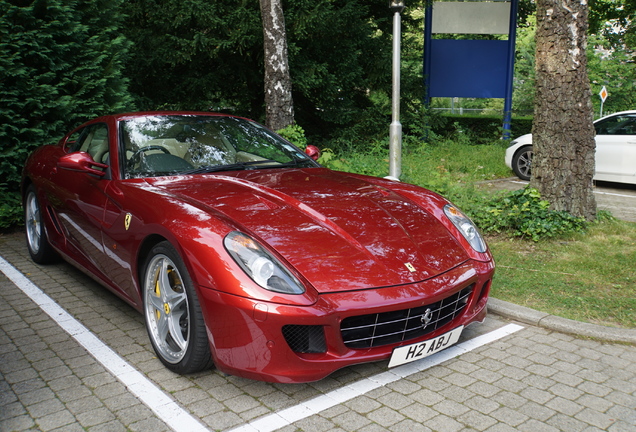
[[471, 17]]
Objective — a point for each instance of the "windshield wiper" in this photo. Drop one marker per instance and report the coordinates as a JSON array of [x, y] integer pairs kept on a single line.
[[214, 168], [239, 166]]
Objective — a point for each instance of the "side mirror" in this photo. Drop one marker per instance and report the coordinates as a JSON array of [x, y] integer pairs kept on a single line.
[[81, 162], [313, 152]]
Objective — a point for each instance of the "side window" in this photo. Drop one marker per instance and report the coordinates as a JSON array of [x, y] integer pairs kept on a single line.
[[619, 125], [76, 139], [629, 127], [95, 142]]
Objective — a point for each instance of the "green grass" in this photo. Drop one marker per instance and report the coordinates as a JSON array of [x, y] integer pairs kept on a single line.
[[428, 164], [587, 277]]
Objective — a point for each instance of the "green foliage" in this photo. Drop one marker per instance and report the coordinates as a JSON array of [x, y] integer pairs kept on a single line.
[[612, 67], [614, 19], [523, 80], [10, 209], [295, 135], [524, 214], [372, 161], [195, 54], [208, 55], [479, 129], [338, 53], [610, 54], [61, 64]]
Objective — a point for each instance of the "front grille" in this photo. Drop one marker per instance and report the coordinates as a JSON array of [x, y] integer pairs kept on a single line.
[[366, 331], [305, 338]]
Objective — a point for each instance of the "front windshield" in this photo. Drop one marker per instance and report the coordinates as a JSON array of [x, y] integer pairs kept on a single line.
[[187, 144]]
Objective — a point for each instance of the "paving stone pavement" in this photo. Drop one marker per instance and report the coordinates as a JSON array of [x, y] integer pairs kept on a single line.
[[533, 380]]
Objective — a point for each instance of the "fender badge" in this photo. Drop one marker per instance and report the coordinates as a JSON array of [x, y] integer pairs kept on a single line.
[[127, 220], [410, 267]]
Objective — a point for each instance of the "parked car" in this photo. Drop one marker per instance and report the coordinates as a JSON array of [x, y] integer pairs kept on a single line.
[[615, 150], [243, 252]]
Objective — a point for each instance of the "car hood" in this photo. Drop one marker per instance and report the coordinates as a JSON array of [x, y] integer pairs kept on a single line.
[[338, 231]]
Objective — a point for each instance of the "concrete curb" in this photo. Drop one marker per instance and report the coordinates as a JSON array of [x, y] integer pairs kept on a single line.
[[563, 325]]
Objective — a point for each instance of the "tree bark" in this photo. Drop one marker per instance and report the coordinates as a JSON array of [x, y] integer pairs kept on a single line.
[[563, 130], [279, 105]]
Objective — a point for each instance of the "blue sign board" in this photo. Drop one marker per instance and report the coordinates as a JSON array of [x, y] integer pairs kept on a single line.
[[474, 68], [468, 68]]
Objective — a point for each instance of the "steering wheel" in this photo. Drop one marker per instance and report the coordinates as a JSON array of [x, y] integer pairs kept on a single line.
[[136, 157]]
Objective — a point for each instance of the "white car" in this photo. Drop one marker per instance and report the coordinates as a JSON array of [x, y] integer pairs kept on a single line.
[[615, 150]]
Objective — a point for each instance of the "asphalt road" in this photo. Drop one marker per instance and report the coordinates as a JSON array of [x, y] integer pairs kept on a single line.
[[619, 199]]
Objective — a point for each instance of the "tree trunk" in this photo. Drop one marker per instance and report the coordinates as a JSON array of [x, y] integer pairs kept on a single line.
[[279, 105], [563, 132]]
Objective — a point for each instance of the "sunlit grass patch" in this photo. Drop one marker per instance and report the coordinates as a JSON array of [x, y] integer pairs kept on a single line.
[[589, 277]]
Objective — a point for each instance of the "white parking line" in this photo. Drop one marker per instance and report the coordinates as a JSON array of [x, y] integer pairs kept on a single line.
[[149, 394], [313, 406], [180, 420]]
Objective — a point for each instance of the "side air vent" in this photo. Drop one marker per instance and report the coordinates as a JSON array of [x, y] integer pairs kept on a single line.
[[305, 339]]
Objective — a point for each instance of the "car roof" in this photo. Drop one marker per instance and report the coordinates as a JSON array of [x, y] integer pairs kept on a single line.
[[127, 115], [617, 113]]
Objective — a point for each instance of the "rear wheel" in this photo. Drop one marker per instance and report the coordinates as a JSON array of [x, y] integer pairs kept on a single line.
[[173, 315], [522, 162], [38, 244]]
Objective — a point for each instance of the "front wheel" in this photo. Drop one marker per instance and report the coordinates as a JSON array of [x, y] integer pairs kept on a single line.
[[172, 312], [37, 243], [522, 162]]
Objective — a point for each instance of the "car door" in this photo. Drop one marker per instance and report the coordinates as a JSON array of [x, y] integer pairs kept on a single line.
[[80, 198], [616, 148]]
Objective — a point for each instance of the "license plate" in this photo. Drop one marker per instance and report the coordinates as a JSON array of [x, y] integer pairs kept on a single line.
[[420, 350]]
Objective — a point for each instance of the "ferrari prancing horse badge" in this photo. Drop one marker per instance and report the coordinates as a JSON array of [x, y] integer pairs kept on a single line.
[[127, 220]]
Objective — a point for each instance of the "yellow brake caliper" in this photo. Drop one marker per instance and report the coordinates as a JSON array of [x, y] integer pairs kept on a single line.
[[158, 294], [166, 306]]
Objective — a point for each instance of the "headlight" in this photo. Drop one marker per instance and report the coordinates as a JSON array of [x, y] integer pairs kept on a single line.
[[466, 227], [260, 265]]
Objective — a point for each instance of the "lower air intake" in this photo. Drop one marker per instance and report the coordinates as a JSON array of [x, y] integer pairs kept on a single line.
[[305, 339]]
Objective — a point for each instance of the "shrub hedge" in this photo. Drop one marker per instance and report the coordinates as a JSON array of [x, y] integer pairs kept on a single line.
[[484, 127]]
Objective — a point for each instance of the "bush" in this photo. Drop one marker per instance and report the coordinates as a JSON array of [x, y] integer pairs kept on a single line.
[[483, 128], [295, 135], [62, 63], [10, 210], [524, 214]]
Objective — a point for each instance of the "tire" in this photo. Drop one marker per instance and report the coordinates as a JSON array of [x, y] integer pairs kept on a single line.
[[522, 162], [38, 244], [172, 313]]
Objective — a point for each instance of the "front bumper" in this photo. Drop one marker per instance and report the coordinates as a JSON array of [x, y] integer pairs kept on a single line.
[[247, 337]]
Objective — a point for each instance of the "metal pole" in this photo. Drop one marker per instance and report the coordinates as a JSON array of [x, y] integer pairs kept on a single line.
[[395, 131], [428, 24], [510, 69]]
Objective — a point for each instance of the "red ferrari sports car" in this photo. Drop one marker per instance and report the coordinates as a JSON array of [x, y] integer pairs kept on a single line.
[[244, 253]]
